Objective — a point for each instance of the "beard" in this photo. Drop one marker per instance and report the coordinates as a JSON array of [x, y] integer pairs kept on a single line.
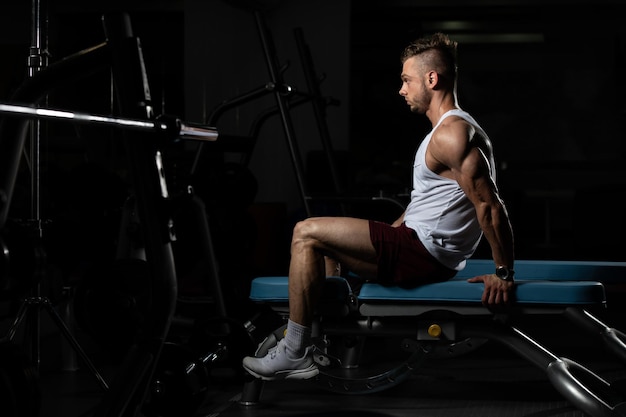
[[418, 107], [419, 103]]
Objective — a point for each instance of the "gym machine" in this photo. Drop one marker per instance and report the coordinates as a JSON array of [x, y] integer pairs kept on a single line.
[[144, 135]]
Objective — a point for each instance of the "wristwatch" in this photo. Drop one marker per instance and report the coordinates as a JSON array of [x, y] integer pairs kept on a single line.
[[504, 273]]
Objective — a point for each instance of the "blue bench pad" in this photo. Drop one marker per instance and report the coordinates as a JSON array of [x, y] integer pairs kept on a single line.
[[461, 291], [275, 289], [537, 282]]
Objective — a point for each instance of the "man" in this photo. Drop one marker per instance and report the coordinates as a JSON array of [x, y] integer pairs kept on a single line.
[[454, 202]]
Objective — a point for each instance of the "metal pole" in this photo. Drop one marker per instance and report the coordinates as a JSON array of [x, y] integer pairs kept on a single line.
[[36, 62], [280, 92]]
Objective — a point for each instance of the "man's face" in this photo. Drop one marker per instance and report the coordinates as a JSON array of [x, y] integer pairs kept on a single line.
[[414, 89]]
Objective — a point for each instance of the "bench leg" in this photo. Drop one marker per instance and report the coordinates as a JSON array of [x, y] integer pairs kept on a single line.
[[251, 393], [579, 385], [613, 339]]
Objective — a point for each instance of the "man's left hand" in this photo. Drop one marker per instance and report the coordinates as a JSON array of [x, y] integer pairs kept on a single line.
[[497, 291]]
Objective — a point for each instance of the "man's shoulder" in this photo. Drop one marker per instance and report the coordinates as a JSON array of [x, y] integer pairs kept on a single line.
[[453, 127], [455, 120]]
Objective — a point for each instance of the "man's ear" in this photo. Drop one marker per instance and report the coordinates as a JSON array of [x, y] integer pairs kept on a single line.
[[432, 78]]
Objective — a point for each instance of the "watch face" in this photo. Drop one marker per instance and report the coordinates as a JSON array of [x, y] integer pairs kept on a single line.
[[503, 273]]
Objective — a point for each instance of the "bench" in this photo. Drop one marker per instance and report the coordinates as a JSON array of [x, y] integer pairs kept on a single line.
[[448, 318]]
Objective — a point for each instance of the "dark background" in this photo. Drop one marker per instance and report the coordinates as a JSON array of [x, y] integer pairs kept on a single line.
[[544, 78]]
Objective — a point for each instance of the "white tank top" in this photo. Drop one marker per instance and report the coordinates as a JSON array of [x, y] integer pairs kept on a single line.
[[439, 211]]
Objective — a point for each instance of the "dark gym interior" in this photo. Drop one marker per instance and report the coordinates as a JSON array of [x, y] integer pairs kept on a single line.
[[304, 98]]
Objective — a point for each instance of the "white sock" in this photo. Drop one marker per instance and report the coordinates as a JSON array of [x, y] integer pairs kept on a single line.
[[297, 339]]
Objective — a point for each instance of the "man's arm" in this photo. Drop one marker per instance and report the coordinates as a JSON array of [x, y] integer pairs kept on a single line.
[[496, 226], [455, 148]]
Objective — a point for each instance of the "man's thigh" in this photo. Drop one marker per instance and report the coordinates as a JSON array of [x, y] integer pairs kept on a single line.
[[345, 239]]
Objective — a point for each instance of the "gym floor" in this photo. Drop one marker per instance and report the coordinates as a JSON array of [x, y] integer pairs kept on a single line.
[[488, 381]]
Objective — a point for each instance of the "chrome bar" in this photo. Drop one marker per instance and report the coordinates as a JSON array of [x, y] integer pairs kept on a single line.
[[178, 129]]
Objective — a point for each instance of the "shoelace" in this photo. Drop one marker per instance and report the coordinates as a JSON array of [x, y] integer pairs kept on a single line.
[[273, 351]]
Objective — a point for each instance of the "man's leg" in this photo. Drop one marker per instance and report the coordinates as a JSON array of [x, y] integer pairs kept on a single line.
[[333, 268], [346, 240]]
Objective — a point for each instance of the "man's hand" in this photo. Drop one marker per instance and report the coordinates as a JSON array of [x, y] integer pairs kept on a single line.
[[496, 291]]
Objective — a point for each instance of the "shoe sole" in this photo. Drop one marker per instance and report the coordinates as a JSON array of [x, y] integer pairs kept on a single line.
[[306, 373]]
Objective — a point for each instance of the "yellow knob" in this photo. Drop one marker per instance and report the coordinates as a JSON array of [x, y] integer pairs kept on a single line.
[[434, 330]]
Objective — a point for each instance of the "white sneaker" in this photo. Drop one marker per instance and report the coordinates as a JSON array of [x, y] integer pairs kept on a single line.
[[277, 365]]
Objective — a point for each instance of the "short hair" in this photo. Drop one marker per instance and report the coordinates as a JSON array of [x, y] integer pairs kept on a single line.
[[439, 51]]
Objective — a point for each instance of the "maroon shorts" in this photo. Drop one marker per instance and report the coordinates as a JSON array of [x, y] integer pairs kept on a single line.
[[402, 258]]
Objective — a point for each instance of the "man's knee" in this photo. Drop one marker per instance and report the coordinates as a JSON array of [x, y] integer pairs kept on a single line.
[[304, 229], [305, 235]]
